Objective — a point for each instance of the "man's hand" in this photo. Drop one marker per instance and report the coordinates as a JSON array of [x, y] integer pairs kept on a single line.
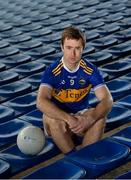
[[84, 122]]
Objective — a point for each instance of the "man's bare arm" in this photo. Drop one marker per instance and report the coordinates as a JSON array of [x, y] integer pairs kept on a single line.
[[46, 106]]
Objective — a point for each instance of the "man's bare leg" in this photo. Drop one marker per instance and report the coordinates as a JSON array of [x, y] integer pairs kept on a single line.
[[60, 134], [95, 133]]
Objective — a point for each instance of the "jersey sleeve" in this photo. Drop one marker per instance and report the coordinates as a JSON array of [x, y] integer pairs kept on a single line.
[[96, 78], [47, 78]]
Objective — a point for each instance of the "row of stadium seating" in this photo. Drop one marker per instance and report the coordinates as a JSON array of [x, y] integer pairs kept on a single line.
[[30, 33]]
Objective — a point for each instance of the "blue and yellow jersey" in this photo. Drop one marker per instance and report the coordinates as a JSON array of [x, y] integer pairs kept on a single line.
[[70, 89]]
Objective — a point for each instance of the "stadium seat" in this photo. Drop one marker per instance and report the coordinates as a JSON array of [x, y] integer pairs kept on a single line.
[[126, 175], [9, 131], [28, 69], [61, 169], [113, 17], [3, 44], [30, 44], [98, 14], [92, 34], [2, 67], [123, 136], [10, 33], [120, 50], [41, 51], [34, 80], [30, 27], [108, 29], [20, 162], [124, 35], [22, 104], [126, 101], [13, 90], [119, 115], [94, 24], [6, 114], [4, 26], [99, 58], [8, 77], [18, 39], [104, 42], [118, 68], [8, 51], [97, 160], [33, 117], [118, 88], [15, 60], [127, 77], [4, 169], [40, 32]]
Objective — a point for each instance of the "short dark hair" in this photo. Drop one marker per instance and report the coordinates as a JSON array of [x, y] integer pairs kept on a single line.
[[73, 33]]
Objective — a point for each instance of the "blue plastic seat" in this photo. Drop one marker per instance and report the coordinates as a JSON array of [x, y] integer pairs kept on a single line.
[[127, 77], [119, 88], [20, 162], [30, 44], [88, 49], [61, 169], [30, 27], [126, 101], [33, 117], [73, 15], [98, 14], [94, 24], [118, 68], [3, 44], [126, 22], [4, 169], [117, 116], [113, 17], [100, 157], [123, 136], [4, 27], [99, 58], [120, 50], [15, 60], [9, 131], [41, 51], [76, 7], [40, 32], [10, 33], [8, 77], [104, 42], [6, 114], [126, 175], [19, 38], [2, 67], [20, 22], [123, 35], [34, 80], [8, 51], [92, 34], [13, 90], [22, 104], [108, 29], [30, 68]]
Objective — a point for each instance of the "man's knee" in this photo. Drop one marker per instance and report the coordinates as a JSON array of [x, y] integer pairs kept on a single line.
[[55, 124]]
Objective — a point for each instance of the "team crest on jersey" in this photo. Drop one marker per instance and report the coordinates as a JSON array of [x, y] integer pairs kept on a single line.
[[82, 81]]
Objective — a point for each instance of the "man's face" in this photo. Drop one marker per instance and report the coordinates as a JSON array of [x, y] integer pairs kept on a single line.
[[72, 50]]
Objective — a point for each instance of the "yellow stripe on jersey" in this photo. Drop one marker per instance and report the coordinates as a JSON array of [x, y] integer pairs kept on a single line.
[[71, 95], [87, 69], [57, 69]]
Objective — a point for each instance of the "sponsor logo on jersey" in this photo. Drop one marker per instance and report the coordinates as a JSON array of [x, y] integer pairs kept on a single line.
[[71, 95]]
